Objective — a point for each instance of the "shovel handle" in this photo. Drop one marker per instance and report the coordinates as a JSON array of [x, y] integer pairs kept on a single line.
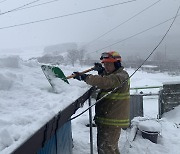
[[88, 70]]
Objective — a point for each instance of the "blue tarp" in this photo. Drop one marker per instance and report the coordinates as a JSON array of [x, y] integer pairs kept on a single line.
[[59, 143]]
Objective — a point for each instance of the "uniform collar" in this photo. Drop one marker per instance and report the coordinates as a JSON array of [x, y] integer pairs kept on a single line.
[[116, 70]]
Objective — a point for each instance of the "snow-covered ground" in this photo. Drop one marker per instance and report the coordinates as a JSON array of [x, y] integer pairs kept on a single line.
[[27, 102]]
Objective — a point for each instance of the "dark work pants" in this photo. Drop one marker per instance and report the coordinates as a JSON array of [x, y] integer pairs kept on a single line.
[[107, 139]]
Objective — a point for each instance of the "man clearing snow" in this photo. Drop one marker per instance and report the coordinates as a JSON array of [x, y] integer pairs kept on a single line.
[[112, 112]]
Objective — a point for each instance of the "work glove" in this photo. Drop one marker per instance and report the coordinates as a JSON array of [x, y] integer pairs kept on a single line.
[[98, 67], [79, 76]]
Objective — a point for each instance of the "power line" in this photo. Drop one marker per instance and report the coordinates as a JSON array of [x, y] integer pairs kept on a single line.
[[123, 22], [19, 7], [37, 5], [134, 34], [126, 80], [66, 15], [158, 43]]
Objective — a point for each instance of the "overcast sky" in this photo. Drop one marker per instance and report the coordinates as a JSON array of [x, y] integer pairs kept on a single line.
[[83, 27]]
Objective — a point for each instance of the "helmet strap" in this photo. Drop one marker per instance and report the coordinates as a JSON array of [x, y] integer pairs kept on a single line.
[[117, 64]]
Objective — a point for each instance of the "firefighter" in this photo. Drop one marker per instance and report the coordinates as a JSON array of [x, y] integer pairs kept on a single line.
[[112, 112]]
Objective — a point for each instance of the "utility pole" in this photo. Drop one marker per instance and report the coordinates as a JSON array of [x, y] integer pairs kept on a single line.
[[165, 52]]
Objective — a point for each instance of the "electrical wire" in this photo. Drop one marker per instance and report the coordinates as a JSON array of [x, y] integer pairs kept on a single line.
[[123, 23], [135, 34], [19, 7], [62, 16], [134, 71], [158, 43], [37, 5]]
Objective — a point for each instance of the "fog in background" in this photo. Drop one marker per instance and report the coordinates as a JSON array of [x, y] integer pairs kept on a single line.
[[83, 29]]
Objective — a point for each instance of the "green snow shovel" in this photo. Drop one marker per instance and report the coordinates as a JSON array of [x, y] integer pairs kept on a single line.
[[52, 72]]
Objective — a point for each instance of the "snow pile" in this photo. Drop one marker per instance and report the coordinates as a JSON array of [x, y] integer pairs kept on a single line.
[[149, 126], [6, 139], [173, 116], [27, 100], [8, 78], [5, 82], [11, 62], [145, 124]]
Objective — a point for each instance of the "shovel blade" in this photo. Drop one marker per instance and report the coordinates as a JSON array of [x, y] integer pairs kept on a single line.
[[52, 72]]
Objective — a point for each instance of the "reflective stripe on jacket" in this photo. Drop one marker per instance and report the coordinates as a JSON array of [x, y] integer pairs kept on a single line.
[[116, 96], [112, 122]]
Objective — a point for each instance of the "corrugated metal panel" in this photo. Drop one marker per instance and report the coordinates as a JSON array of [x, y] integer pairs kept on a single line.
[[60, 143], [169, 97], [64, 140], [136, 106]]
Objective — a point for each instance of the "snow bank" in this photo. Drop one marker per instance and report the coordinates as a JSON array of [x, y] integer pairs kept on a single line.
[[10, 62], [146, 124], [8, 76], [6, 139], [27, 100], [173, 115], [6, 82], [149, 126]]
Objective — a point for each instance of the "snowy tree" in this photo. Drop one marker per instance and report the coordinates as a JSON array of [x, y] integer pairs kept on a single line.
[[80, 55], [72, 56]]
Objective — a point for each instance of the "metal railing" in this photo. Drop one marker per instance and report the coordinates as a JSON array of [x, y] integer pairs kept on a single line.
[[169, 97], [147, 87]]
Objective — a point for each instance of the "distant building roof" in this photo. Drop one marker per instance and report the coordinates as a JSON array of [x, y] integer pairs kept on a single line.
[[149, 66], [170, 83]]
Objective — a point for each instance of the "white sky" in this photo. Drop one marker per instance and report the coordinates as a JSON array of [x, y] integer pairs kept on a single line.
[[82, 27]]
